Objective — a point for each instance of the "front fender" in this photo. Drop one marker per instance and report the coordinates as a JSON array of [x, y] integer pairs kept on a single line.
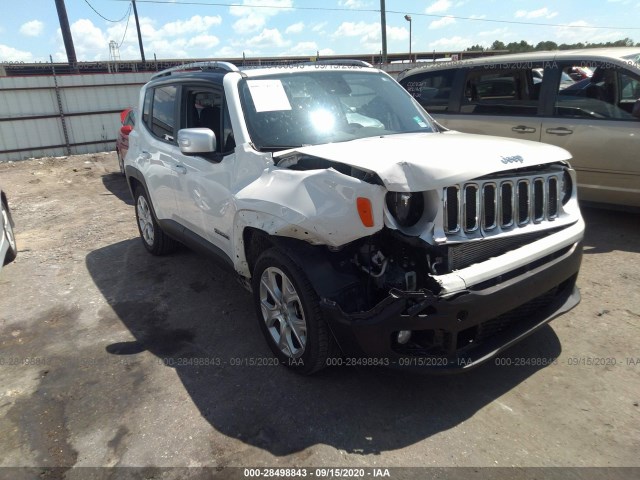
[[316, 206]]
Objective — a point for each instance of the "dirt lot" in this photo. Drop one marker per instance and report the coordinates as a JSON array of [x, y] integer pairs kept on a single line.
[[103, 349]]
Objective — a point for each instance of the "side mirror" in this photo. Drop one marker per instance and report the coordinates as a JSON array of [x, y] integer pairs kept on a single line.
[[196, 141], [636, 109], [126, 130]]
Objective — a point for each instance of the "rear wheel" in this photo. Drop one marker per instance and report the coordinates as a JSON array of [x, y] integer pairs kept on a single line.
[[153, 237], [8, 235], [289, 314]]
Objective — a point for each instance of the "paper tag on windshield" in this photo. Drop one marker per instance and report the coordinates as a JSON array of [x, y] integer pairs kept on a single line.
[[268, 95]]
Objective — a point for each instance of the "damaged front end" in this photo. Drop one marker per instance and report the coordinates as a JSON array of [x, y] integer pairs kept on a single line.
[[447, 283]]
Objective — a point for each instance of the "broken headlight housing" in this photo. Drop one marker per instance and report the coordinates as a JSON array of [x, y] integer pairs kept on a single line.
[[405, 207]]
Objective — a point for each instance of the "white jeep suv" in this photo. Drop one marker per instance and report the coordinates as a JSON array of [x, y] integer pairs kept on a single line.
[[368, 233]]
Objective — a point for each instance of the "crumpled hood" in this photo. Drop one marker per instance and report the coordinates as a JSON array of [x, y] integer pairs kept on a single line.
[[423, 161]]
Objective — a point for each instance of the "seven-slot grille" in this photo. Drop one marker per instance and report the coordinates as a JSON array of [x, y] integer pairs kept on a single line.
[[496, 203]]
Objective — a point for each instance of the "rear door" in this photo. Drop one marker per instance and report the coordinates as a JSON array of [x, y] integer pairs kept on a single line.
[[594, 120], [490, 100], [158, 149]]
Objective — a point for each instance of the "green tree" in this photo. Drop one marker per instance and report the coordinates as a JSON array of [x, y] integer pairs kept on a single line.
[[522, 46], [475, 48], [519, 47], [548, 45]]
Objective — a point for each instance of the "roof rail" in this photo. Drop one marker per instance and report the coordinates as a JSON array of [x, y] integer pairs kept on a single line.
[[202, 66], [337, 61]]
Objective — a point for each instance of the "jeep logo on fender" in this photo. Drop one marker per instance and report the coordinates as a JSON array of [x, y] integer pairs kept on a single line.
[[514, 159]]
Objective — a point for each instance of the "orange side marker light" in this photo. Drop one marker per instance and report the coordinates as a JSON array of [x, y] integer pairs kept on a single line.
[[365, 211]]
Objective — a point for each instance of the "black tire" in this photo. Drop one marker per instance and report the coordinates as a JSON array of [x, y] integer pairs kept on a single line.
[[153, 237], [120, 161], [7, 231], [302, 307]]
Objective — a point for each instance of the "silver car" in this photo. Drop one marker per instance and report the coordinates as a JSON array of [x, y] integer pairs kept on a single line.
[[530, 96], [8, 249]]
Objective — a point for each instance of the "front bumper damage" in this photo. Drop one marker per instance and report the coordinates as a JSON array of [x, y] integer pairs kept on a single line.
[[458, 330]]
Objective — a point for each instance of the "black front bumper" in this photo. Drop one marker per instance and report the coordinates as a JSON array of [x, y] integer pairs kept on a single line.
[[458, 333]]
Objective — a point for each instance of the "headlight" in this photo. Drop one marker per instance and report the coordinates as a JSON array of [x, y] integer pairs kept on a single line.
[[407, 208], [567, 187]]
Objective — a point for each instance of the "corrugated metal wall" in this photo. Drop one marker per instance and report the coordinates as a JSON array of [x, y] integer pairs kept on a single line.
[[31, 123]]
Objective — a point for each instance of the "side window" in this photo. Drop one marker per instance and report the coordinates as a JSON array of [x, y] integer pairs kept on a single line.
[[162, 112], [204, 108], [146, 109], [432, 89], [629, 88], [228, 142], [507, 92], [609, 94]]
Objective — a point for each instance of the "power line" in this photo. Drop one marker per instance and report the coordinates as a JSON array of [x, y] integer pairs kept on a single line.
[[125, 27], [373, 10], [105, 18]]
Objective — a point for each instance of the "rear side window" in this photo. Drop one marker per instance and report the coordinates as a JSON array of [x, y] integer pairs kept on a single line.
[[512, 92], [163, 112], [609, 94], [432, 89], [146, 109]]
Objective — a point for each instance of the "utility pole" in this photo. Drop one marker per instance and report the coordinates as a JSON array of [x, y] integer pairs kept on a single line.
[[383, 22], [408, 19], [135, 14], [66, 35]]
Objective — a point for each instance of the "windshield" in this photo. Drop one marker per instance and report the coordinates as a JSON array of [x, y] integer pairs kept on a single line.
[[313, 107]]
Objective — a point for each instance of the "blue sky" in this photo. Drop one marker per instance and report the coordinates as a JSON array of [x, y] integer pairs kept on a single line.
[[216, 28]]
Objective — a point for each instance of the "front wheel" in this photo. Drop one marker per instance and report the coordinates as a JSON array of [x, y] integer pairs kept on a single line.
[[289, 314], [7, 228], [153, 237]]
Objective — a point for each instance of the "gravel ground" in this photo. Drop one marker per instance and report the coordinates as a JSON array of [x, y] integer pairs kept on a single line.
[[104, 352]]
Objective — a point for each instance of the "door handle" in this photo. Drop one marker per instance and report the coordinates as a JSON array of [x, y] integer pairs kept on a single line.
[[523, 129], [145, 155], [180, 169], [559, 131]]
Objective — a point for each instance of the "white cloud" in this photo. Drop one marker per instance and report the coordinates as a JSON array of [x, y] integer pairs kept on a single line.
[[89, 41], [442, 22], [438, 7], [204, 41], [326, 51], [32, 28], [352, 29], [295, 28], [304, 48], [228, 52], [11, 54], [452, 43], [319, 27], [253, 19], [498, 32], [269, 37], [180, 38], [581, 31], [397, 33], [370, 34], [352, 3], [192, 25], [541, 12]]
